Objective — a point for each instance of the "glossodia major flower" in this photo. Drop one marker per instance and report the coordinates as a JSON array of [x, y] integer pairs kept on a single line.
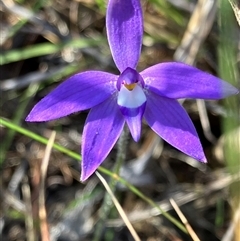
[[131, 96]]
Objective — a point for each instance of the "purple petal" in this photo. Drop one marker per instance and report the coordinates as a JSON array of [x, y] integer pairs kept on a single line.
[[80, 92], [171, 122], [178, 80], [103, 127], [124, 30]]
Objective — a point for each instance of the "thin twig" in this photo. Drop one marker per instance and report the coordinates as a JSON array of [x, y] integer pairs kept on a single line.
[[119, 208], [43, 172], [29, 216], [184, 220]]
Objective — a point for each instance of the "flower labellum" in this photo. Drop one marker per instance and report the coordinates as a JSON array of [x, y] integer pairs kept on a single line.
[[128, 98]]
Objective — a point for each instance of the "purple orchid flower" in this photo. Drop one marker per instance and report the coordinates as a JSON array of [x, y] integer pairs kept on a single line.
[[131, 96]]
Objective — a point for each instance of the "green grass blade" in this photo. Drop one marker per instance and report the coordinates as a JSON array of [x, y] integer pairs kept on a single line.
[[46, 48], [228, 70]]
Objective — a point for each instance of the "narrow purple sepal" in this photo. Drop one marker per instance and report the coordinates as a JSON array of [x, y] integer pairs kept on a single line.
[[103, 127], [178, 80], [171, 122], [124, 24], [133, 117], [80, 92]]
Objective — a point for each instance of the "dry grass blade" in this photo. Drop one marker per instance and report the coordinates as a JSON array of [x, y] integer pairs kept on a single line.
[[184, 221], [119, 208], [43, 172], [29, 217], [236, 8], [233, 228], [198, 28], [202, 110]]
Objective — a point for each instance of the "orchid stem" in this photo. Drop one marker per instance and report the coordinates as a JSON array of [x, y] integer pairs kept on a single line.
[[107, 201], [121, 153]]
